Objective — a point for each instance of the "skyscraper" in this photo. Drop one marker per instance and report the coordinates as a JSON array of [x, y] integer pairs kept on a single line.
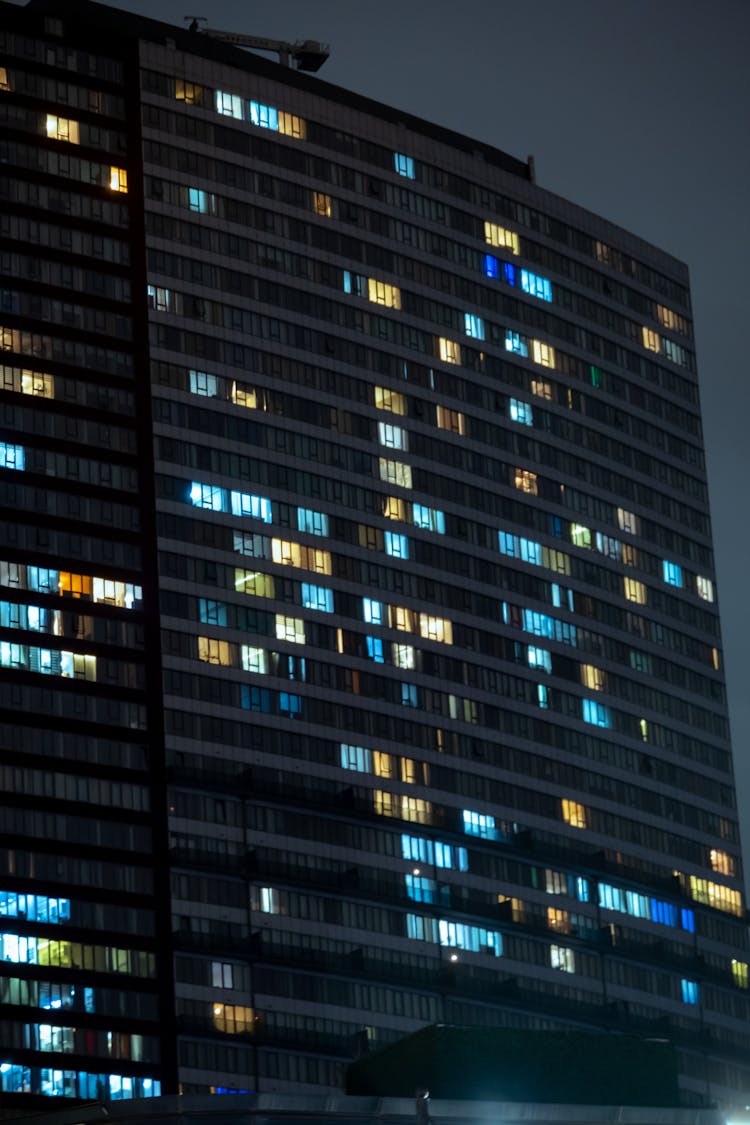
[[360, 646]]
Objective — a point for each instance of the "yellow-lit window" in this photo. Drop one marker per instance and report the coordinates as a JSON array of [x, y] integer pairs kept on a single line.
[[403, 656], [436, 628], [643, 727], [286, 553], [628, 521], [322, 204], [671, 319], [382, 763], [722, 862], [253, 582], [214, 652], [233, 1019], [74, 585], [394, 508], [63, 129], [371, 538], [452, 420], [543, 354], [517, 907], [573, 813], [399, 617], [739, 973], [558, 920], [448, 350], [380, 293], [395, 472], [118, 179], [291, 125], [629, 554], [83, 666], [290, 629], [386, 399], [541, 388], [556, 560], [407, 808], [716, 895], [526, 481], [634, 591], [501, 236], [593, 678], [35, 383], [242, 395], [413, 772], [4, 83], [651, 339], [317, 560], [715, 658]]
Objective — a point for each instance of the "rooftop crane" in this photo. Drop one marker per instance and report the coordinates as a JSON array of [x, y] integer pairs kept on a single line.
[[308, 55]]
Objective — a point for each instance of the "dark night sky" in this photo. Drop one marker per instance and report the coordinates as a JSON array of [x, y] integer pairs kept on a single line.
[[638, 110]]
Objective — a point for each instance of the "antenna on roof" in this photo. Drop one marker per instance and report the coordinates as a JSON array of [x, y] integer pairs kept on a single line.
[[308, 55]]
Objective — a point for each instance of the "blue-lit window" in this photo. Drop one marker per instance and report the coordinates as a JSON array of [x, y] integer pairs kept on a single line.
[[674, 351], [34, 908], [479, 824], [562, 596], [317, 597], [446, 855], [199, 200], [611, 898], [11, 456], [209, 496], [672, 573], [521, 412], [357, 758], [404, 165], [536, 286], [420, 850], [596, 713], [540, 624], [396, 545], [515, 342], [541, 694], [509, 273], [230, 105], [689, 991], [687, 920], [663, 912], [290, 705], [201, 383], [491, 266], [638, 905], [372, 612], [375, 649], [265, 116], [430, 519], [475, 939], [256, 699], [257, 507], [409, 695], [212, 613], [314, 523], [421, 889], [43, 580], [474, 326], [582, 889], [539, 658]]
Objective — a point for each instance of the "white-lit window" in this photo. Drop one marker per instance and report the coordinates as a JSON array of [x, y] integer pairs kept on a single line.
[[474, 326], [290, 629], [560, 957], [254, 659], [230, 105], [403, 656], [395, 472], [704, 588], [394, 437]]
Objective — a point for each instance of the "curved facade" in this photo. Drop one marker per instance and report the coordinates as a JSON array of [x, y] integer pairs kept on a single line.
[[423, 612]]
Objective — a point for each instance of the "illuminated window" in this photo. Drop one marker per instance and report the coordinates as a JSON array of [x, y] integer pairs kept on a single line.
[[562, 958], [479, 824], [403, 656], [404, 165], [556, 560], [435, 629], [722, 862], [541, 388], [322, 204], [264, 116], [555, 882], [291, 125], [75, 585], [290, 629], [543, 354], [516, 343], [396, 545], [539, 658], [399, 617], [254, 583], [189, 92], [596, 713], [201, 383], [651, 340], [672, 573], [382, 764], [526, 481], [233, 1019], [11, 456], [395, 472], [517, 908], [704, 588], [256, 507], [386, 399], [520, 412], [357, 758], [314, 523], [573, 813], [118, 179], [716, 895], [380, 293], [372, 611], [4, 83], [634, 591], [629, 522], [254, 659], [739, 973], [202, 202], [558, 920], [63, 129], [474, 326], [394, 508], [159, 298], [593, 678], [451, 420], [501, 236], [229, 105], [580, 536], [536, 286], [214, 652], [606, 545], [689, 990], [394, 437], [475, 939], [375, 649], [317, 597], [26, 382], [405, 808], [448, 350], [430, 519]]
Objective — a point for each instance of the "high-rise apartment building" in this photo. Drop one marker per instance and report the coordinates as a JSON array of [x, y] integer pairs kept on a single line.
[[359, 640]]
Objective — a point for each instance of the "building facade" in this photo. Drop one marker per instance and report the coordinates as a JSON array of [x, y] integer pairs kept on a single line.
[[360, 649]]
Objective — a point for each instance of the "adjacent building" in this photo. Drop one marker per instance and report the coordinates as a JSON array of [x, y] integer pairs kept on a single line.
[[360, 648]]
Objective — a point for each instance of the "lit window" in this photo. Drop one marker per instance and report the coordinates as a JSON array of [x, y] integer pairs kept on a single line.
[[314, 523], [322, 204], [491, 266], [556, 560], [26, 382], [396, 545], [63, 129], [264, 116], [573, 813], [421, 889], [286, 552], [394, 508], [716, 895], [634, 591], [201, 202], [405, 808], [580, 536], [229, 105], [593, 678], [189, 92], [380, 293], [118, 179], [395, 472], [555, 882], [254, 659], [11, 456], [651, 340], [596, 713], [201, 383], [74, 585], [739, 973], [399, 617], [435, 629], [253, 583], [501, 236], [474, 326], [159, 298], [290, 629], [558, 920], [606, 545], [403, 656], [357, 758], [539, 658], [372, 611], [317, 597], [689, 991], [627, 521], [394, 437], [722, 862], [4, 83], [233, 1019], [543, 354], [670, 319], [704, 588], [291, 125], [672, 573], [452, 420], [246, 504], [542, 695], [479, 824], [541, 388], [526, 481], [521, 412], [475, 939], [562, 958], [375, 651], [382, 764], [515, 342], [430, 519], [597, 376], [404, 165], [536, 286], [214, 652], [209, 496], [448, 350], [386, 399]]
